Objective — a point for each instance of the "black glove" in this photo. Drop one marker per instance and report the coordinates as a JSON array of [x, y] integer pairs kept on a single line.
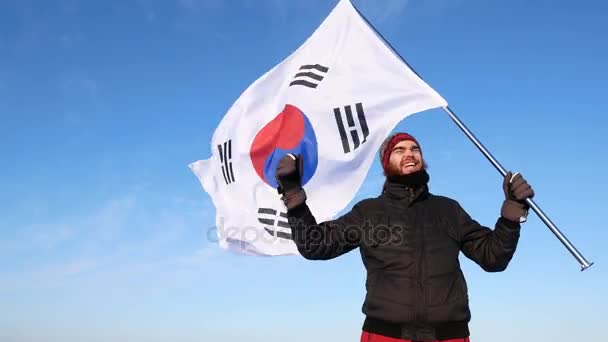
[[516, 190], [289, 179]]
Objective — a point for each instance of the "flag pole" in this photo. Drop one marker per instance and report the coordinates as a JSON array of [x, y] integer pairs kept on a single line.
[[577, 255]]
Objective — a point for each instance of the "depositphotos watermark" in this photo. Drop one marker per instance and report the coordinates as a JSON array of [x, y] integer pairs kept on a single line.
[[330, 232]]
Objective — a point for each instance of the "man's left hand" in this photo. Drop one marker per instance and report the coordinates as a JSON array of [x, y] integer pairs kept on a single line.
[[516, 190]]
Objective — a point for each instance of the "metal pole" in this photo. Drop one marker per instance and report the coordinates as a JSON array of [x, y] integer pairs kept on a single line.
[[583, 262]]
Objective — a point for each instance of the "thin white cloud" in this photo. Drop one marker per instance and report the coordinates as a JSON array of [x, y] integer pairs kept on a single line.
[[200, 257], [72, 267], [36, 237], [103, 224], [111, 219], [122, 236]]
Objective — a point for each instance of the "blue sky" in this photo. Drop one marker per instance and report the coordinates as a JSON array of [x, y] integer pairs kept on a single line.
[[106, 235]]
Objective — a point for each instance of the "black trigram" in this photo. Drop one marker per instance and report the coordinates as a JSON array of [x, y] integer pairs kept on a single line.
[[309, 75], [226, 160], [357, 127], [275, 224]]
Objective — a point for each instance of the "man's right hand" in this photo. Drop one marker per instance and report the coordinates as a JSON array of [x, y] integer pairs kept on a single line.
[[289, 179], [289, 174]]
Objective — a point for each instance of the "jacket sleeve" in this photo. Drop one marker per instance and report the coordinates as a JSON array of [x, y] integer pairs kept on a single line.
[[325, 240], [491, 249]]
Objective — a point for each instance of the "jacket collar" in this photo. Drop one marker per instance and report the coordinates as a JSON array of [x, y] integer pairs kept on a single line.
[[409, 187]]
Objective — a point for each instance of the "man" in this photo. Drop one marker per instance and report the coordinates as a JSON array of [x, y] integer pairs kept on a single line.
[[409, 241]]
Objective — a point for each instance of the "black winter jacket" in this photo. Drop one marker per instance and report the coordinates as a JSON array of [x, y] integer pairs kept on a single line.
[[409, 245]]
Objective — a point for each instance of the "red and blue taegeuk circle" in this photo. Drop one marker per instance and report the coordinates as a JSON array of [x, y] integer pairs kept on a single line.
[[288, 132]]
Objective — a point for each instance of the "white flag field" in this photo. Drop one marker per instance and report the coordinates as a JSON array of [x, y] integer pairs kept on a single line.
[[333, 100]]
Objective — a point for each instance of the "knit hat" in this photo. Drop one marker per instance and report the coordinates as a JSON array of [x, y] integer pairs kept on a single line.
[[388, 145]]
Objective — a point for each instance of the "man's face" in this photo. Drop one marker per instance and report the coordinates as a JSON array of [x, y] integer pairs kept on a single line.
[[405, 158]]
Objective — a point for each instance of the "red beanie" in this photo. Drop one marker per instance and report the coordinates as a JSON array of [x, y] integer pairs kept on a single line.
[[388, 145]]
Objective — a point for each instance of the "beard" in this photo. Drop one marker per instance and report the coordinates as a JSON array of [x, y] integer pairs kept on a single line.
[[395, 170]]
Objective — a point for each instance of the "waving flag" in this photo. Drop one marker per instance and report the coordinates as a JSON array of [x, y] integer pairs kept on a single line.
[[333, 100]]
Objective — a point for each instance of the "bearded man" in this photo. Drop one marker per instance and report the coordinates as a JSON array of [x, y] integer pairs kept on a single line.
[[410, 241]]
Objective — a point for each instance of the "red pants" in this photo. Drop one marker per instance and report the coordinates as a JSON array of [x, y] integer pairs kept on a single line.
[[371, 337]]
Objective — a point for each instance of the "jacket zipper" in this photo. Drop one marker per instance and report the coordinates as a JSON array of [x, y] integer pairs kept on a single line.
[[421, 272], [424, 275], [419, 297]]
